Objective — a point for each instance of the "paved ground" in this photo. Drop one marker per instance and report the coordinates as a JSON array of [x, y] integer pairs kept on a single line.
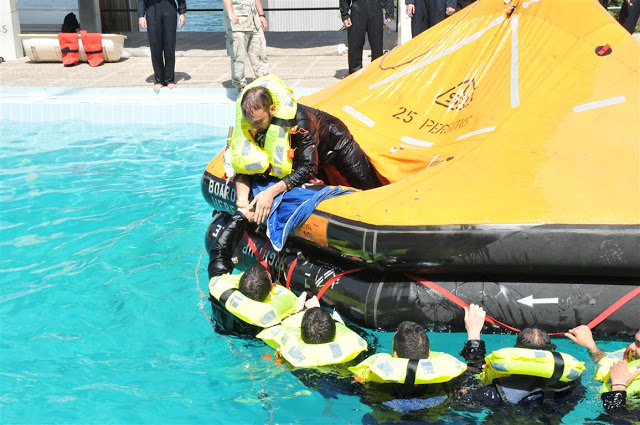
[[302, 59]]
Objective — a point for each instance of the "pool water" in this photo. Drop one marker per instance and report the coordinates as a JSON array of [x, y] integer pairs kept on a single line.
[[103, 307]]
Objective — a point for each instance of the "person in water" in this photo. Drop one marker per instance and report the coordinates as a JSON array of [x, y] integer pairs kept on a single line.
[[413, 377], [511, 375], [319, 143], [615, 369], [255, 285]]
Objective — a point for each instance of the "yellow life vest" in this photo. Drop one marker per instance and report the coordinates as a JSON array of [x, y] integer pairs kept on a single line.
[[246, 156], [384, 368], [280, 303], [605, 363], [287, 338], [529, 362]]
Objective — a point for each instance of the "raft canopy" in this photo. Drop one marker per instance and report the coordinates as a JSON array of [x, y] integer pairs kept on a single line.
[[510, 113]]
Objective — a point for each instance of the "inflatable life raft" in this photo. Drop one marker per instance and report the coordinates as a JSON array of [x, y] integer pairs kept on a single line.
[[510, 140], [46, 47]]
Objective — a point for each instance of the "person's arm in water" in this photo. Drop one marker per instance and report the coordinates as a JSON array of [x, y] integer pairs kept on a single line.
[[615, 401], [582, 336], [474, 349]]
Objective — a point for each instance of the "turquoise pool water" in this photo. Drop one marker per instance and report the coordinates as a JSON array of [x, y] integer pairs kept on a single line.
[[103, 312]]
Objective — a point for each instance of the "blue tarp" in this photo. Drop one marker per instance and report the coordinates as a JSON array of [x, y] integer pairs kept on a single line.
[[292, 208]]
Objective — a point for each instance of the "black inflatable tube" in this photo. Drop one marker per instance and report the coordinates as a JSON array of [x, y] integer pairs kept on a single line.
[[611, 250], [378, 299]]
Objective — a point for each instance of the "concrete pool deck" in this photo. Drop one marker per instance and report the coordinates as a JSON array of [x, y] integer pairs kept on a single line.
[[301, 59]]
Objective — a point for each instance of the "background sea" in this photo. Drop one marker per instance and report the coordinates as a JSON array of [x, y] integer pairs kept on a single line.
[[53, 12]]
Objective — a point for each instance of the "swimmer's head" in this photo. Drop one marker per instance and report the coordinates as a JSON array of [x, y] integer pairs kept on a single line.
[[255, 283], [317, 327], [534, 337], [411, 341]]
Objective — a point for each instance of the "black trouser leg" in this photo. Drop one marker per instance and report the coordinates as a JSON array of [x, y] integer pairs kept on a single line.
[[154, 32], [355, 35], [437, 11], [169, 24], [375, 31], [629, 15], [420, 20]]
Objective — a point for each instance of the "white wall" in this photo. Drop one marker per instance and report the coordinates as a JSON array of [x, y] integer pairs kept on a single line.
[[315, 20], [10, 43]]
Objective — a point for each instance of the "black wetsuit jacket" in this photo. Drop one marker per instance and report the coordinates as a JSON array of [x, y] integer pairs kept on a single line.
[[320, 140], [617, 411]]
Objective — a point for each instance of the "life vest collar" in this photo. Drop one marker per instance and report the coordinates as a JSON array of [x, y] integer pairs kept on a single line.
[[286, 338], [280, 303], [384, 368]]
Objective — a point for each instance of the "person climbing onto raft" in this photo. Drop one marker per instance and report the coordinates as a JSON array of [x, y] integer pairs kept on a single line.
[[288, 144], [528, 374]]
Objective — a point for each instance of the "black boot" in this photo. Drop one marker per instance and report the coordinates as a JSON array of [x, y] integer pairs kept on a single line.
[[225, 244]]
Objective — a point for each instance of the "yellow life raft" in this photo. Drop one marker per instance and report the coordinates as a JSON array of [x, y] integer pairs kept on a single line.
[[280, 303], [245, 154], [529, 362], [287, 338], [384, 368], [605, 363]]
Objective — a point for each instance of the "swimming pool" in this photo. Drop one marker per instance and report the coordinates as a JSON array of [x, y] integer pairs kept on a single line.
[[103, 309]]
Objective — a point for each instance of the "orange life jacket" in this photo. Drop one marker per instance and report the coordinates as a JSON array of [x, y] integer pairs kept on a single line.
[[92, 43], [69, 48]]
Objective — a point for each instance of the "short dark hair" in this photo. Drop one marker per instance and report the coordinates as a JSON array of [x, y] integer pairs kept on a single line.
[[255, 283], [255, 99], [411, 341], [317, 327], [534, 337]]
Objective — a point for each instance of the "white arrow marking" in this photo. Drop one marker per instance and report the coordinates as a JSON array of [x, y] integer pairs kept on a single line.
[[530, 301]]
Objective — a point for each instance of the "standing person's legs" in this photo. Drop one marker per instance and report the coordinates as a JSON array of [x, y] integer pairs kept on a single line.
[[257, 52], [169, 24], [419, 22], [629, 15], [154, 33], [437, 11], [375, 32], [237, 51], [355, 37]]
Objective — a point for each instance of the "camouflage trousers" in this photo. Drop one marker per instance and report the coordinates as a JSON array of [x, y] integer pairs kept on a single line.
[[242, 45]]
